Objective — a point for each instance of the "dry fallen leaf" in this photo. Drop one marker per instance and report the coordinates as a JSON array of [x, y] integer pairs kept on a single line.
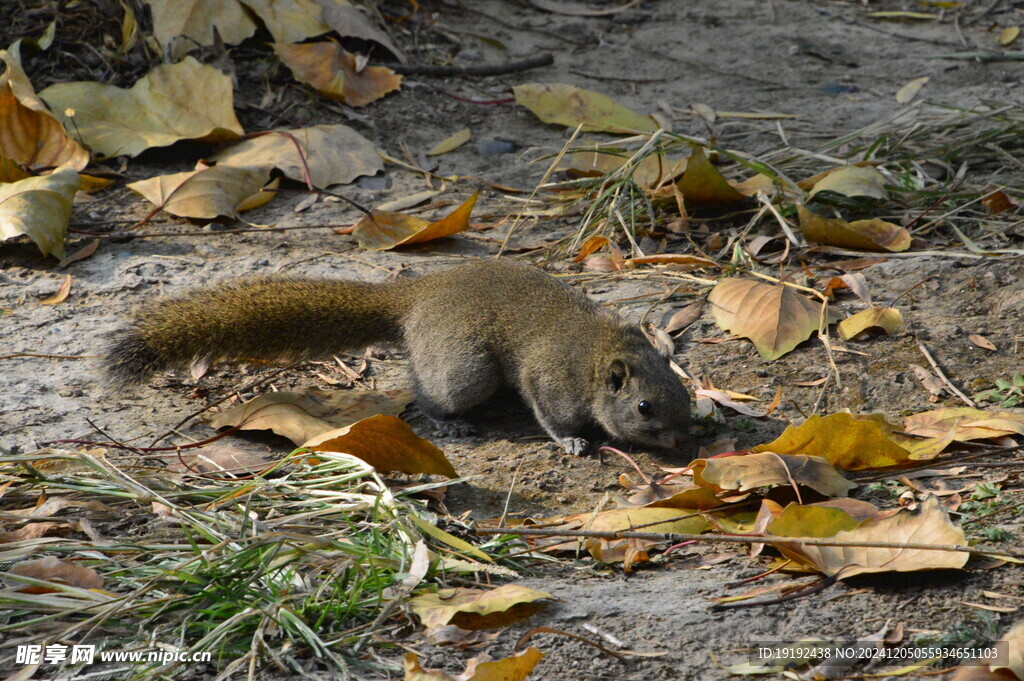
[[388, 444], [682, 318], [851, 181], [61, 295], [477, 609], [196, 19], [703, 183], [768, 469], [451, 143], [334, 154], [290, 21], [887, 319], [29, 133], [172, 102], [928, 524], [678, 261], [483, 668], [51, 569], [568, 105], [907, 93], [849, 443], [997, 202], [868, 235], [651, 172], [207, 192], [39, 208], [982, 342], [335, 73], [350, 22], [1012, 656], [966, 423], [302, 416], [386, 230], [775, 318]]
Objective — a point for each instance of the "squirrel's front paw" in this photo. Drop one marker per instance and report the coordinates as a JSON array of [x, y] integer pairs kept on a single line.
[[576, 446], [453, 427]]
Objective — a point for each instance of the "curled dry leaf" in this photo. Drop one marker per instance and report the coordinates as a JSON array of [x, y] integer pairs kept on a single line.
[[302, 416], [849, 443], [852, 181], [61, 295], [675, 495], [39, 208], [451, 143], [775, 318], [907, 93], [682, 318], [728, 399], [702, 183], [857, 327], [868, 235], [997, 202], [965, 423], [483, 668], [51, 569], [928, 524], [679, 261], [750, 471], [334, 154], [335, 74], [568, 105], [388, 230], [29, 134], [388, 444], [208, 192], [173, 102], [477, 609]]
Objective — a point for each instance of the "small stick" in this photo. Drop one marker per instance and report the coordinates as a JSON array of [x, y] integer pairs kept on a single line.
[[544, 59], [744, 539], [949, 384], [37, 354], [549, 630]]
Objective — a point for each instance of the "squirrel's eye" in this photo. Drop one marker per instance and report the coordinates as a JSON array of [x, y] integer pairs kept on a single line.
[[645, 408]]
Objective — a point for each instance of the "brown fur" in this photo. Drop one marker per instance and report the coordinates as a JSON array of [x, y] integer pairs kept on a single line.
[[468, 330]]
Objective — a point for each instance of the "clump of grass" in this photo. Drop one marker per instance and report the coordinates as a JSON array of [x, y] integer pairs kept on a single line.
[[306, 561]]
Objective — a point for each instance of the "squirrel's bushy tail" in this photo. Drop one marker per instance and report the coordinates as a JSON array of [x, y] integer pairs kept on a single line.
[[271, 319]]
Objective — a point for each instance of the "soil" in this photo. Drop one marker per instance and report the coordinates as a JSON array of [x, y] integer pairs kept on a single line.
[[731, 55]]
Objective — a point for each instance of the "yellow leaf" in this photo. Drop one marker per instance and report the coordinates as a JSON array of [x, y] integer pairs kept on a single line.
[[39, 208], [770, 469], [775, 318], [483, 668], [206, 193], [302, 416], [290, 21], [334, 154], [334, 73], [1008, 35], [1012, 656], [846, 442], [910, 90], [29, 134], [928, 524], [852, 181], [390, 230], [474, 608], [451, 143], [887, 319], [388, 444], [568, 105], [652, 171], [867, 235], [704, 184], [173, 102]]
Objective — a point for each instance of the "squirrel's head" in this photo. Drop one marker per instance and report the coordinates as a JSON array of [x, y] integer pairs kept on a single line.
[[641, 400]]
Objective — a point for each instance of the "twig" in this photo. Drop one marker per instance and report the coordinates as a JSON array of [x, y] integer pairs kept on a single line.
[[223, 399], [949, 384], [549, 630], [37, 354], [744, 539], [801, 591], [544, 59]]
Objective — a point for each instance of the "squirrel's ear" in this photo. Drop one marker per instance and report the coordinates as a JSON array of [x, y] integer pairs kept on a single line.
[[616, 375]]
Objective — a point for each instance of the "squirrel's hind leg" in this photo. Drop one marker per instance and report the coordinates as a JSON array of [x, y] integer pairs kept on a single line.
[[446, 390]]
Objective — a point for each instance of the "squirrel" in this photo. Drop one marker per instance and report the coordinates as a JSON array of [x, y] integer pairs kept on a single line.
[[468, 331]]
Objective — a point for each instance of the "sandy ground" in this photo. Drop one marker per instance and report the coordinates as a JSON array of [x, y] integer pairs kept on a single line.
[[732, 55]]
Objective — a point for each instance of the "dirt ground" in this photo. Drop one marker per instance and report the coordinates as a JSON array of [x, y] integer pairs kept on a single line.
[[731, 55]]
